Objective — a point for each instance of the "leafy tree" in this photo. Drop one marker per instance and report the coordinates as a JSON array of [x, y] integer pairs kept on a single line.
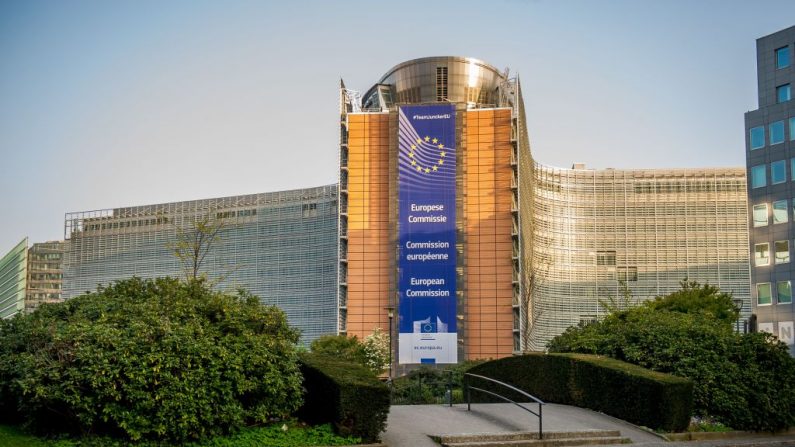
[[696, 298], [193, 242], [746, 381], [372, 353], [376, 351], [150, 359]]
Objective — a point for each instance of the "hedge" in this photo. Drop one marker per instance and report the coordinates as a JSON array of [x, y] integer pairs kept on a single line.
[[345, 394], [626, 391]]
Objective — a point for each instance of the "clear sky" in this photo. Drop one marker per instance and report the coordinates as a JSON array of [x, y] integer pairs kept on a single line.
[[117, 103]]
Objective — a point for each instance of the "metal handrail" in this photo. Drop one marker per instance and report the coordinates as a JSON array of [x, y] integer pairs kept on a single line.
[[540, 403]]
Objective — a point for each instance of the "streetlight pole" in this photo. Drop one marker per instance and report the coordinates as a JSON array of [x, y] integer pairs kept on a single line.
[[390, 311]]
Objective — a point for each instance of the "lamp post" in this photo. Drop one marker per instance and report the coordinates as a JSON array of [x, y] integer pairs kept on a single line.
[[390, 312], [739, 303]]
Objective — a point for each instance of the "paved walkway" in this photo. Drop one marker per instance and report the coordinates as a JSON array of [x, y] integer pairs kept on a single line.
[[410, 425]]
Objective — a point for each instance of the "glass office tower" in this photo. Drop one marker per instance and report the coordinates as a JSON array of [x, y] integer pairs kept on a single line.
[[280, 246], [770, 160]]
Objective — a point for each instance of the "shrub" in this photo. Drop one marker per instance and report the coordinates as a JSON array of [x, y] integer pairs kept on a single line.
[[626, 391], [428, 385], [150, 359], [372, 352], [345, 394], [745, 381]]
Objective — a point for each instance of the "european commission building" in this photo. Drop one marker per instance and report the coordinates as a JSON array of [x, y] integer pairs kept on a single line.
[[443, 229]]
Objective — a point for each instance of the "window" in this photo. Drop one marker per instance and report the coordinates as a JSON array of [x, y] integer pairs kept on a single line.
[[784, 289], [605, 258], [778, 172], [758, 176], [627, 273], [792, 168], [777, 132], [780, 212], [762, 254], [784, 292], [763, 295], [782, 57], [792, 129], [760, 215], [441, 83], [783, 93], [757, 137], [782, 251]]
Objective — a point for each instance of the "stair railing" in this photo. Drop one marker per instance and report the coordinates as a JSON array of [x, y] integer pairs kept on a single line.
[[540, 403]]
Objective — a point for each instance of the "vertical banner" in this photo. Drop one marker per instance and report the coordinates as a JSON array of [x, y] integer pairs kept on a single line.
[[427, 273]]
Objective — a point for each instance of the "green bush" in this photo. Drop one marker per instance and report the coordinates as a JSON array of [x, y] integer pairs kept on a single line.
[[345, 394], [149, 359], [428, 385], [743, 381], [658, 401]]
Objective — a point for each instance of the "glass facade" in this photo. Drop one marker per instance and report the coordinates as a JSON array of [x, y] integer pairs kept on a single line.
[[13, 278], [650, 228], [280, 246], [771, 281], [45, 274]]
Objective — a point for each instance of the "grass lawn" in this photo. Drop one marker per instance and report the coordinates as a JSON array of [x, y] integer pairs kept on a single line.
[[12, 437], [272, 436]]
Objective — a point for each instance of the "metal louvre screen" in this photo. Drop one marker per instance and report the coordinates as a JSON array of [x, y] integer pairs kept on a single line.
[[427, 264]]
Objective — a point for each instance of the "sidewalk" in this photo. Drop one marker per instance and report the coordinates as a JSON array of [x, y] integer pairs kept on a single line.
[[410, 425]]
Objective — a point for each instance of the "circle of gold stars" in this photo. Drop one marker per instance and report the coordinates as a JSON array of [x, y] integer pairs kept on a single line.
[[435, 166]]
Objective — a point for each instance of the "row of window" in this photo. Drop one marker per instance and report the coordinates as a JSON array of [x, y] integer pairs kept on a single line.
[[776, 131], [764, 293], [778, 173], [780, 213], [762, 253]]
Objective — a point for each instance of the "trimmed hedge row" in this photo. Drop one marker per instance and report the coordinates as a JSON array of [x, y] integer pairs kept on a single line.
[[626, 391], [344, 394]]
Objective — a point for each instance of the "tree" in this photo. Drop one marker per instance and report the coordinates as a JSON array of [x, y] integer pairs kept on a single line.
[[746, 381], [696, 298], [192, 244], [372, 353], [376, 351], [150, 359]]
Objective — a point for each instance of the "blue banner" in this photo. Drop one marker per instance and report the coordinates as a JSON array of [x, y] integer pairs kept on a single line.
[[427, 265]]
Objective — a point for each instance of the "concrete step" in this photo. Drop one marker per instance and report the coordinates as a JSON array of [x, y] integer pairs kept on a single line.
[[562, 442], [524, 436]]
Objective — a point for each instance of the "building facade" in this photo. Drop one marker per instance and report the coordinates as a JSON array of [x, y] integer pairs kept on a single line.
[[280, 246], [30, 277], [13, 277], [527, 249], [44, 274], [770, 160], [601, 233]]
